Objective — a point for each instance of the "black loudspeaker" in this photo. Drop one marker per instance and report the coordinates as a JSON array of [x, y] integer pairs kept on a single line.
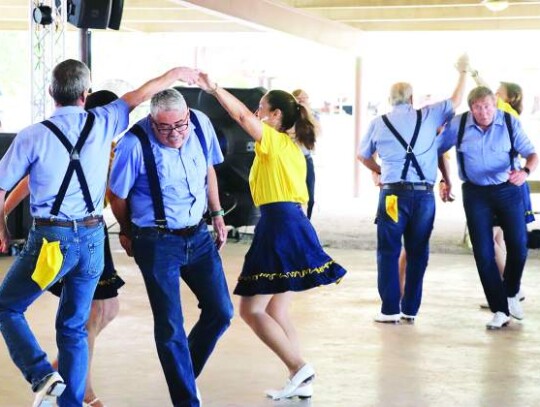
[[89, 13], [117, 9], [238, 150], [19, 221]]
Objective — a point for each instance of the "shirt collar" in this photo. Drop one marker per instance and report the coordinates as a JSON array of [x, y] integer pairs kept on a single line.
[[403, 106], [65, 110]]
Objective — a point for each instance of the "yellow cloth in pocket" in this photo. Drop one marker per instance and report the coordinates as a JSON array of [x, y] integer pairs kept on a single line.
[[392, 207], [48, 264]]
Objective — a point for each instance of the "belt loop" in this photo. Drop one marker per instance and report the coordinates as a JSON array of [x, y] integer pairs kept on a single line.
[[74, 225]]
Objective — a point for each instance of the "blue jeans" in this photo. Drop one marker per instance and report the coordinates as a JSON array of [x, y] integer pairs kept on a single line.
[[416, 213], [163, 259], [482, 204], [82, 248]]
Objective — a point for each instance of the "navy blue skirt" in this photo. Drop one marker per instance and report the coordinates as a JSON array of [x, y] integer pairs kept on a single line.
[[285, 254]]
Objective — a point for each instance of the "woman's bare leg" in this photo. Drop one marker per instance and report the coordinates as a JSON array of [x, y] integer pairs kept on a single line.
[[255, 312]]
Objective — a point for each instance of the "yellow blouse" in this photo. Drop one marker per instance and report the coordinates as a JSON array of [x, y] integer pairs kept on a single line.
[[505, 107], [278, 173]]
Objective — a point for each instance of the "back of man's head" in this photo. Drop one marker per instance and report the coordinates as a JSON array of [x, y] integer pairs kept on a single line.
[[400, 93], [167, 100], [70, 79]]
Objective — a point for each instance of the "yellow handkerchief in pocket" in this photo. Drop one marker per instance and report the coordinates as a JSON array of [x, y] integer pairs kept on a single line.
[[48, 264], [392, 207]]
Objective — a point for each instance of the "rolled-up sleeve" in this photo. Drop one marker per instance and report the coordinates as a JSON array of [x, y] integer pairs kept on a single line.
[[367, 144], [15, 164], [126, 165], [522, 143]]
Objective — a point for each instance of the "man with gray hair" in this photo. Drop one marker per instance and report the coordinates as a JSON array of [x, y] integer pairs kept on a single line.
[[404, 139], [67, 237], [162, 182]]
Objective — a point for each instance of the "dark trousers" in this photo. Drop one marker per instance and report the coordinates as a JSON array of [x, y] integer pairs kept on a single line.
[[163, 259], [482, 204]]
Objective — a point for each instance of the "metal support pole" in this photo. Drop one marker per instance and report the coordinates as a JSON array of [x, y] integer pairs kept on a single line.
[[85, 38], [47, 45]]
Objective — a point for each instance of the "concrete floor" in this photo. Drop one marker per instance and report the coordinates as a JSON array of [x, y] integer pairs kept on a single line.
[[446, 359]]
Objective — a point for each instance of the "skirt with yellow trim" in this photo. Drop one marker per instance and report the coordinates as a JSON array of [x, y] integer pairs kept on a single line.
[[285, 254]]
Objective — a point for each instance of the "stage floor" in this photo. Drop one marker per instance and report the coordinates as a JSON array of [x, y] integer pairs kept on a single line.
[[446, 359]]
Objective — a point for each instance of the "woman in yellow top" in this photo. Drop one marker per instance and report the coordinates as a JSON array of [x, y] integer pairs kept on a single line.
[[285, 254], [509, 99]]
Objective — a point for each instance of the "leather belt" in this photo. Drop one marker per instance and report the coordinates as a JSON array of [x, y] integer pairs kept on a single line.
[[187, 231], [408, 186], [88, 221]]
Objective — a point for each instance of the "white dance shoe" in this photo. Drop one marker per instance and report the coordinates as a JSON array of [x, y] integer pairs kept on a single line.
[[305, 391], [292, 388]]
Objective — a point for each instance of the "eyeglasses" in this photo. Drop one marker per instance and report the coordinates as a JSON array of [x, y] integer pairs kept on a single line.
[[166, 130]]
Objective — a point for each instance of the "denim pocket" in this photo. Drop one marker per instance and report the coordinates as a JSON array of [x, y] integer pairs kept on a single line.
[[96, 260]]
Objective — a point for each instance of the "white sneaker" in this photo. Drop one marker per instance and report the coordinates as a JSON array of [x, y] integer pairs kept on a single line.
[[499, 320], [198, 395], [514, 307], [53, 387], [304, 391], [409, 319], [302, 377], [387, 319]]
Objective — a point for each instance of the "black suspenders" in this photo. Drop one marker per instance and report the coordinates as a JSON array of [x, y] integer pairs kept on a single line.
[[74, 164], [151, 168], [461, 132], [409, 157]]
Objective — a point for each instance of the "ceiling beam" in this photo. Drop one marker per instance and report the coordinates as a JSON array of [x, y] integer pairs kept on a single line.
[[276, 16], [188, 27], [383, 3], [465, 13], [455, 25]]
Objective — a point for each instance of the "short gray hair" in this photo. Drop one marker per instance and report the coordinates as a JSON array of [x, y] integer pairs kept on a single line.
[[70, 79], [480, 92], [400, 93], [167, 100]]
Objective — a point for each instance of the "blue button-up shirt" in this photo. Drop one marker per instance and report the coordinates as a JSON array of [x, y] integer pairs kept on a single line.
[[486, 153], [38, 152], [380, 140], [182, 175]]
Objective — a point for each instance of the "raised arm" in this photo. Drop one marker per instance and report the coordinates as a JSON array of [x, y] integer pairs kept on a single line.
[[462, 65], [236, 109], [477, 78], [16, 196], [146, 91]]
